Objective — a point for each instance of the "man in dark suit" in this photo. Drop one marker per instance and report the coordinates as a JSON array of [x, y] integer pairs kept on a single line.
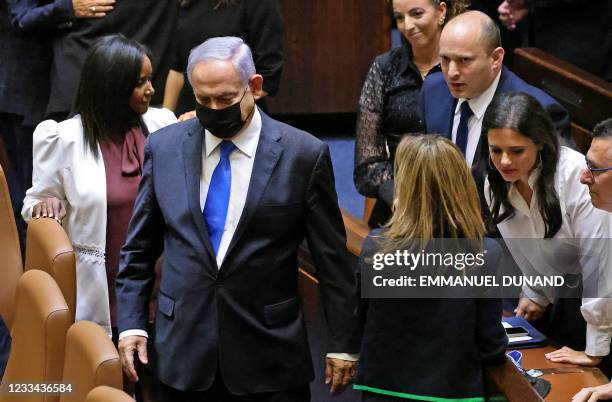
[[454, 102], [229, 197]]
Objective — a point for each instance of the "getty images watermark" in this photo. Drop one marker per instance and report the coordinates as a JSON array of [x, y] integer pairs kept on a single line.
[[457, 268]]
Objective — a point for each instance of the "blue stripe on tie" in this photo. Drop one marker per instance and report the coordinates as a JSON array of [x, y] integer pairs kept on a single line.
[[217, 198]]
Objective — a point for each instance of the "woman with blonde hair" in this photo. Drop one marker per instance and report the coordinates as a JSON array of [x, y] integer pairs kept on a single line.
[[435, 198]]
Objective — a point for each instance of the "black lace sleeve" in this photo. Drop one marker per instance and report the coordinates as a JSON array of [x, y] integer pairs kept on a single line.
[[372, 165]]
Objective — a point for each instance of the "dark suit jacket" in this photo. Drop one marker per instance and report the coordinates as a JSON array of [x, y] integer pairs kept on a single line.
[[150, 22], [246, 315], [26, 54], [434, 347], [438, 105]]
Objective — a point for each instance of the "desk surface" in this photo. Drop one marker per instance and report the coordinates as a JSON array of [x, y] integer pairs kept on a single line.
[[566, 379]]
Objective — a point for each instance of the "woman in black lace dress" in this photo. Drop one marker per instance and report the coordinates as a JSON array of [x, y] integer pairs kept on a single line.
[[389, 102]]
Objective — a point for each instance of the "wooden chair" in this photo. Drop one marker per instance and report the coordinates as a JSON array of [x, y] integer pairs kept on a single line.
[[10, 254], [49, 249], [91, 360], [39, 334], [107, 394]]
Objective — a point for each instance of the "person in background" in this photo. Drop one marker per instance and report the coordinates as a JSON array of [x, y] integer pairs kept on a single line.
[[435, 198], [26, 27], [25, 61], [534, 192], [87, 168], [389, 102], [257, 22], [150, 22], [587, 45], [598, 177]]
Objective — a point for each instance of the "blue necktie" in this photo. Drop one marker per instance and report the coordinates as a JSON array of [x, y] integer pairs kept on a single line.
[[462, 130], [217, 199]]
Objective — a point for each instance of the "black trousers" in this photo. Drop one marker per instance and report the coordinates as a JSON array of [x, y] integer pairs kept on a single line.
[[218, 393]]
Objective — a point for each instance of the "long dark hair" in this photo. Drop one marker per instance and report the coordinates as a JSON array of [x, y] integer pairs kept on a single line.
[[110, 73], [524, 114]]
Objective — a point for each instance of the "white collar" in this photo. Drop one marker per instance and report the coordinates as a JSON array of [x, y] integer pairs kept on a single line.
[[246, 140], [480, 103]]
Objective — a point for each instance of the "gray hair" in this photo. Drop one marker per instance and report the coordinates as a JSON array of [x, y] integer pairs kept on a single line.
[[225, 48], [603, 129]]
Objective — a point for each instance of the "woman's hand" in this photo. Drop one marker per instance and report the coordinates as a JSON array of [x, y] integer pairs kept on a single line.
[[92, 8], [569, 355], [49, 208], [593, 394]]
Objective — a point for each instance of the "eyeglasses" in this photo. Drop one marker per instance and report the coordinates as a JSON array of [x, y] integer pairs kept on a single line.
[[593, 170]]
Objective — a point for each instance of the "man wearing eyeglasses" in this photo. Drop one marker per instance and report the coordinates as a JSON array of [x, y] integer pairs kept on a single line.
[[598, 176]]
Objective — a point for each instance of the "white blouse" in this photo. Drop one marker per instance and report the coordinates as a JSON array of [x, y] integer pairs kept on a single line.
[[580, 246], [64, 168]]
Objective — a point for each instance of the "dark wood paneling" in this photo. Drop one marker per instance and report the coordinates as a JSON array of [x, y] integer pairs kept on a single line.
[[329, 46]]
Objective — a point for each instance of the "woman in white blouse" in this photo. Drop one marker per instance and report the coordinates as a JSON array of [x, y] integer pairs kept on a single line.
[[87, 168], [533, 191]]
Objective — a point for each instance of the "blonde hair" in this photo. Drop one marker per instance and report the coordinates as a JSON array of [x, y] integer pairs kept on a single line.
[[435, 194]]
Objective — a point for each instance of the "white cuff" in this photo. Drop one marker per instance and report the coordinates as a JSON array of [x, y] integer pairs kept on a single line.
[[133, 332], [598, 340], [535, 296], [351, 357]]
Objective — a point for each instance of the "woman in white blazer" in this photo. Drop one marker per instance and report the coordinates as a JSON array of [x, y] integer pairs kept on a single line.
[[533, 191], [87, 168]]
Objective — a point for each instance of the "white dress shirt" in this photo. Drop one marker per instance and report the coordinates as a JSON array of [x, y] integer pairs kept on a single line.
[[241, 162], [479, 106], [583, 228]]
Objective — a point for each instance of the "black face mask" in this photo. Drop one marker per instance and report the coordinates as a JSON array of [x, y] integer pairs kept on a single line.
[[222, 123]]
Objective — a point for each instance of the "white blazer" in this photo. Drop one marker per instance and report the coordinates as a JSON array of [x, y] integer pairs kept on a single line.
[[65, 169]]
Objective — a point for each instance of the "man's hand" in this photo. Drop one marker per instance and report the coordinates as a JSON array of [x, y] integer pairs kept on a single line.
[[49, 208], [528, 309], [128, 346], [568, 355], [339, 373], [187, 116], [592, 394], [511, 12], [92, 8]]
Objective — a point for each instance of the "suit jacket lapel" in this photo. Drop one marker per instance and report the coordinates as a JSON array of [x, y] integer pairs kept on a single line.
[[192, 158], [267, 155], [450, 106]]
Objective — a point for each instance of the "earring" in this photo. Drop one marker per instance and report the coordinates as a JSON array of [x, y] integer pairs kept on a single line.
[[540, 158], [441, 20]]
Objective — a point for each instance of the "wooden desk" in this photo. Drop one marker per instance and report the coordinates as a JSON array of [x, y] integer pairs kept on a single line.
[[566, 379]]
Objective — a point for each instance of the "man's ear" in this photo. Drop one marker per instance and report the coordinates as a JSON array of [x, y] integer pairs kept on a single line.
[[498, 57], [256, 83]]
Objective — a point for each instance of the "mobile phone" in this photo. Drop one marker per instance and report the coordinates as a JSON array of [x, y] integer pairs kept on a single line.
[[514, 332]]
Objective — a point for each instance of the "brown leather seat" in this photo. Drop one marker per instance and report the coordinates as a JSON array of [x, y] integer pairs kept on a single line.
[[10, 254], [91, 360], [49, 249], [39, 335], [107, 394]]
